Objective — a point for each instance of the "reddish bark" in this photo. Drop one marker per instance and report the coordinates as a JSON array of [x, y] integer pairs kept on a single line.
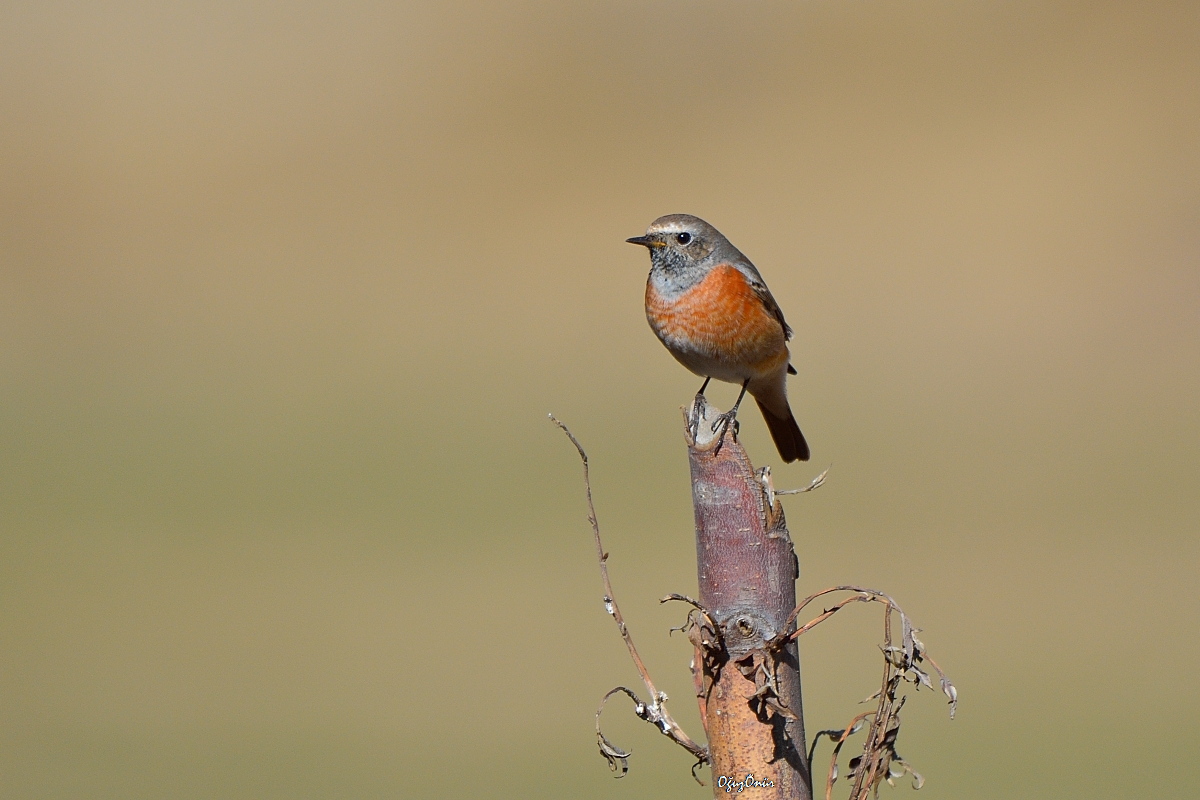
[[749, 694]]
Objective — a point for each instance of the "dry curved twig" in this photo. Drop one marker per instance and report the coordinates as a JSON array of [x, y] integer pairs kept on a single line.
[[654, 712], [879, 760]]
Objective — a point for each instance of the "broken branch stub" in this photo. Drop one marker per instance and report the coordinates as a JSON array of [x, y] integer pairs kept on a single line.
[[748, 685]]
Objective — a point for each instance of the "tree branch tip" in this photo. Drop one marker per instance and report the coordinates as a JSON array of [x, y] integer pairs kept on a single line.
[[562, 426]]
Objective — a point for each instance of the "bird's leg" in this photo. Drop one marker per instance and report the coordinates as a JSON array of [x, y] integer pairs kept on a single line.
[[696, 408], [729, 418]]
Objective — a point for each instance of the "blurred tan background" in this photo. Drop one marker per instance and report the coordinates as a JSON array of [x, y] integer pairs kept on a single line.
[[288, 289]]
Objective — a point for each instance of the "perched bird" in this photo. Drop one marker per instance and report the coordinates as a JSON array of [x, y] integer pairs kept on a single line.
[[712, 310]]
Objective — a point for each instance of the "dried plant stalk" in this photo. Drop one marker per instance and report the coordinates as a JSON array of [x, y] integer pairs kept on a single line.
[[903, 663], [748, 687], [655, 710]]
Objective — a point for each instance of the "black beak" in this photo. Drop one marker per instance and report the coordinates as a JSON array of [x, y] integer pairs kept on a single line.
[[644, 241]]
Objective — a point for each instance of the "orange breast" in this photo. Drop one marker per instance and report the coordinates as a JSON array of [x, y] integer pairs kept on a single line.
[[721, 318]]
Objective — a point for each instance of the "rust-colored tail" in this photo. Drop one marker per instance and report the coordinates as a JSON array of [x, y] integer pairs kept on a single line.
[[786, 433]]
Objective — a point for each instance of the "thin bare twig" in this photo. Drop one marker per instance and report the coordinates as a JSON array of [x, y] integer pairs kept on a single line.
[[654, 712]]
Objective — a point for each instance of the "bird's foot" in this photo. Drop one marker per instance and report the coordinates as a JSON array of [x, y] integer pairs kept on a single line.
[[725, 422]]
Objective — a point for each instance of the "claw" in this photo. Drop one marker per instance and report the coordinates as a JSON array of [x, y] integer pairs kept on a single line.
[[724, 422], [729, 418]]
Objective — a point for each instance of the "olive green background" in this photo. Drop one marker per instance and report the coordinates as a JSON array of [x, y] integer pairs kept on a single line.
[[287, 290]]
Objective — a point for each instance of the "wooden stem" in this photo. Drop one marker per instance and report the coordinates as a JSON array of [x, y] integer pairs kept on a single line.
[[749, 691]]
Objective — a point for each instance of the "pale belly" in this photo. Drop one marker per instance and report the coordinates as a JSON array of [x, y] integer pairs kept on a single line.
[[707, 364]]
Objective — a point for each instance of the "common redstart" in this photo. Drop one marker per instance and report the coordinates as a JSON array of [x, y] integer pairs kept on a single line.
[[712, 310]]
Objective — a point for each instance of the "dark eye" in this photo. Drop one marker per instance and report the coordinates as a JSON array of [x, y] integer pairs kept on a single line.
[[683, 238]]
